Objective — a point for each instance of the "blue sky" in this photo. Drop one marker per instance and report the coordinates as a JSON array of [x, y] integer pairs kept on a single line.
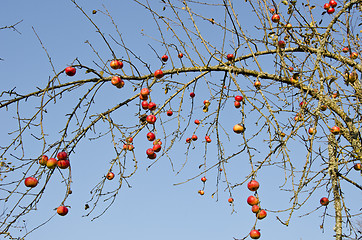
[[154, 208]]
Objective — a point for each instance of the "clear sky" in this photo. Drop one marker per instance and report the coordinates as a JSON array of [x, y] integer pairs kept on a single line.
[[153, 208]]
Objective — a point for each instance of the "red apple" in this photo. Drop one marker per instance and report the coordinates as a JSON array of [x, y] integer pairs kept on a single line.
[[143, 98], [197, 122], [324, 201], [335, 130], [194, 137], [151, 136], [345, 49], [201, 192], [238, 128], [331, 10], [252, 200], [208, 139], [230, 200], [43, 160], [130, 147], [289, 26], [156, 147], [63, 164], [206, 103], [164, 58], [253, 185], [192, 94], [257, 84], [275, 18], [144, 105], [254, 234], [158, 141], [129, 140], [62, 155], [115, 64], [153, 156], [203, 179], [255, 208], [281, 44], [152, 106], [239, 98], [302, 104], [117, 81], [323, 107], [230, 57], [158, 74], [312, 131], [150, 151], [354, 55], [145, 91], [70, 71], [326, 6], [180, 55], [188, 140], [291, 69], [110, 176], [31, 182], [52, 163], [261, 214], [62, 210], [151, 119], [125, 146], [333, 3], [357, 166], [271, 10], [169, 113]]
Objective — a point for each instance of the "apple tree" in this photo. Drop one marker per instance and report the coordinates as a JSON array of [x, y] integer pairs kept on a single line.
[[262, 81]]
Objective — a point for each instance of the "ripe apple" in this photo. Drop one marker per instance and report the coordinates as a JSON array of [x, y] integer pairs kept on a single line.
[[275, 18], [145, 92], [252, 200], [357, 166], [197, 122], [289, 26], [62, 210], [239, 98], [302, 104], [255, 208], [333, 3], [151, 119], [31, 182], [354, 55], [206, 103], [158, 141], [169, 113], [164, 58], [326, 6], [231, 200], [345, 49], [158, 74], [203, 179], [208, 139], [125, 146], [143, 98], [52, 163], [324, 201], [352, 77], [323, 107], [291, 69], [230, 57], [115, 64], [150, 151], [188, 140], [130, 147], [254, 234], [110, 176], [62, 155], [253, 185], [271, 10], [201, 192], [331, 10], [261, 214], [282, 134], [312, 131], [238, 128], [144, 105], [43, 160], [180, 55], [257, 84], [281, 44], [117, 81], [156, 147], [70, 71], [237, 104], [152, 106], [63, 164], [192, 94], [335, 130], [151, 136], [194, 137], [153, 156], [129, 140]]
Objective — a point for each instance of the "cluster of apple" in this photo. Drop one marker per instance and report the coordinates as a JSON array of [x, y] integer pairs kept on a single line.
[[238, 99], [330, 6], [255, 207], [51, 163], [128, 145]]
